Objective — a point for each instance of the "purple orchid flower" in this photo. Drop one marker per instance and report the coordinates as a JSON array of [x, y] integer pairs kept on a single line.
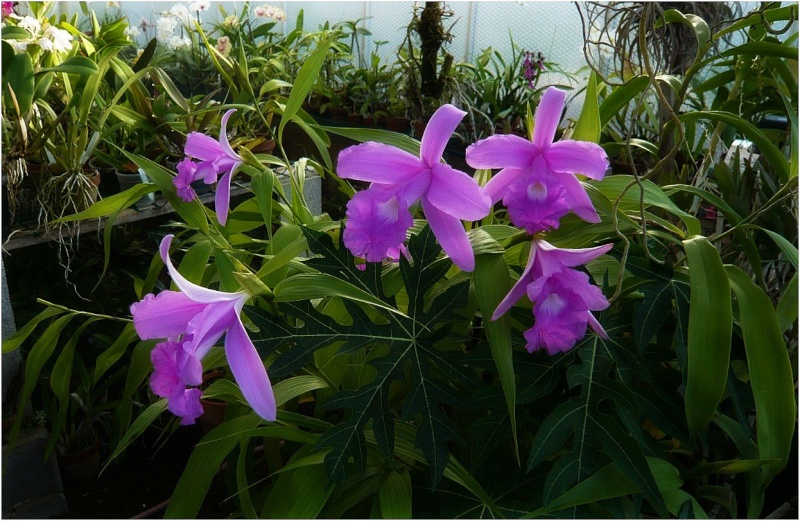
[[563, 297], [216, 157], [537, 182], [192, 320], [379, 216]]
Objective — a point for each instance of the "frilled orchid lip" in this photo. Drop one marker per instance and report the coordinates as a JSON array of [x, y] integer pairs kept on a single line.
[[447, 195], [194, 319]]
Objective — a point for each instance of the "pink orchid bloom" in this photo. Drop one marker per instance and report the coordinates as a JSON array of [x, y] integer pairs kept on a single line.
[[379, 217], [564, 297], [193, 320], [537, 182], [8, 8], [216, 157]]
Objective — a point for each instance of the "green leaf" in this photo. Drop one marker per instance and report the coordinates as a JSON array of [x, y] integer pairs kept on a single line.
[[787, 305], [768, 149], [262, 183], [16, 340], [492, 284], [770, 372], [587, 128], [114, 352], [394, 495], [39, 354], [19, 79], [412, 337], [612, 187], [142, 422], [192, 212], [710, 326], [292, 388], [701, 31], [620, 97], [298, 494], [788, 249], [734, 466], [772, 14], [75, 65], [762, 49], [112, 204], [305, 79], [386, 137], [204, 463], [304, 286]]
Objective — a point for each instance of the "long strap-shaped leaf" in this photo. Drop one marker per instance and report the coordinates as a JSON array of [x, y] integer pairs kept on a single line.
[[710, 322], [770, 372]]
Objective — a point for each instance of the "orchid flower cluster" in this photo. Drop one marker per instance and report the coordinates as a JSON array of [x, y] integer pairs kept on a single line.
[[44, 35], [537, 184]]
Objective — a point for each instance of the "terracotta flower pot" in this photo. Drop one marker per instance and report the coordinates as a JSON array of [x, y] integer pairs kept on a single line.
[[82, 466]]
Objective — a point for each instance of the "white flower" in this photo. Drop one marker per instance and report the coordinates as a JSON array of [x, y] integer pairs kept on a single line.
[[62, 40], [165, 27], [181, 12], [260, 11], [20, 45], [132, 33], [45, 44], [177, 42], [113, 5], [30, 24], [200, 5], [224, 45]]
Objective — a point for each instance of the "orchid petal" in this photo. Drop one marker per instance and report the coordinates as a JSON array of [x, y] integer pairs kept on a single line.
[[498, 185], [194, 292], [186, 404], [223, 136], [222, 201], [501, 151], [438, 132], [548, 114], [596, 327], [519, 289], [551, 258], [412, 190], [577, 157], [206, 171], [579, 201], [209, 326], [165, 380], [457, 194], [164, 315], [451, 235], [378, 163], [200, 146], [249, 371]]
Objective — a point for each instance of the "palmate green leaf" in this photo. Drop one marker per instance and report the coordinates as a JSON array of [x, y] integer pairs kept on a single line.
[[664, 296], [411, 340], [591, 431]]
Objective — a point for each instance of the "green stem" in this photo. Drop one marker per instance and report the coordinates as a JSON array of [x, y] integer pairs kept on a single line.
[[83, 313]]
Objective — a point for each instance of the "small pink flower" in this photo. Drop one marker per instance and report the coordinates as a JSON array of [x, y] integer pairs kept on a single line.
[[8, 8], [224, 45]]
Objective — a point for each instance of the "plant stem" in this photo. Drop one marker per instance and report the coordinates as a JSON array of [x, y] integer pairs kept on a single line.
[[83, 313]]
